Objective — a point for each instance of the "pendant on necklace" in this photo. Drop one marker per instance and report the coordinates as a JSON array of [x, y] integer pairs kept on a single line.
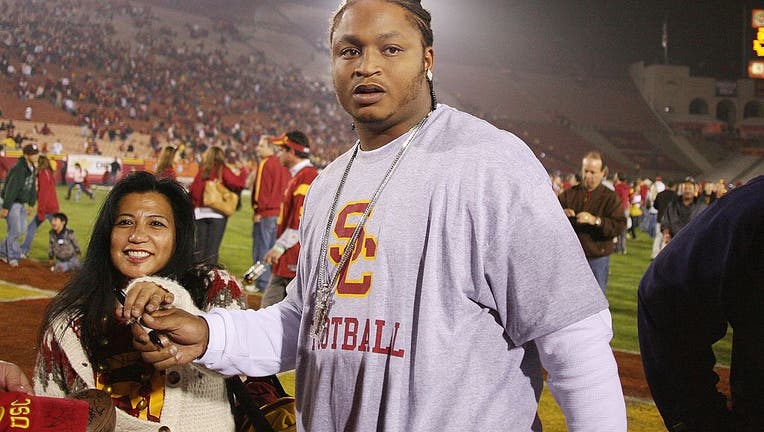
[[322, 309]]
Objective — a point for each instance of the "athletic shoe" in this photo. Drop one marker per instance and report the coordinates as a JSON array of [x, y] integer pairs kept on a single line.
[[13, 263], [4, 259]]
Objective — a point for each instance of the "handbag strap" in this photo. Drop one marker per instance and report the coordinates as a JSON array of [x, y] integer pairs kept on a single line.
[[236, 387]]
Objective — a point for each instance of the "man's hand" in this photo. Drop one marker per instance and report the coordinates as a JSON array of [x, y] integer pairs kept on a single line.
[[569, 212], [184, 337], [272, 257], [586, 218], [12, 378]]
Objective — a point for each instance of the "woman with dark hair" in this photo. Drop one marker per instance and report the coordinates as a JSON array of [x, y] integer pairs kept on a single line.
[[142, 240], [210, 224]]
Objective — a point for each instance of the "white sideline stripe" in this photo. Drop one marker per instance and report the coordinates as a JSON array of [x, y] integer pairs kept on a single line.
[[35, 293]]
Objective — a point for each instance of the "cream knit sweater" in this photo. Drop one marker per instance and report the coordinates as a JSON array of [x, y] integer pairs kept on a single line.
[[197, 402]]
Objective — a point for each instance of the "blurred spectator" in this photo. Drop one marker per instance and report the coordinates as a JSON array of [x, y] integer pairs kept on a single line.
[[166, 162], [114, 169], [79, 176], [635, 209], [596, 215], [63, 248], [294, 153], [621, 188], [20, 190], [47, 202], [271, 181], [210, 224], [681, 210], [57, 147], [661, 203]]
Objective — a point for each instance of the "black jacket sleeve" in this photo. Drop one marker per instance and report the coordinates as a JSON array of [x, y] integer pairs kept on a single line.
[[709, 276]]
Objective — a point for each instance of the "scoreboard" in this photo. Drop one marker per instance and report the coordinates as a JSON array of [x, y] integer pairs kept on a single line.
[[756, 53]]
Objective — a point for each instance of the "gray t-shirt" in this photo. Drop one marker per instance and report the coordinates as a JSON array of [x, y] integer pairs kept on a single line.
[[465, 259]]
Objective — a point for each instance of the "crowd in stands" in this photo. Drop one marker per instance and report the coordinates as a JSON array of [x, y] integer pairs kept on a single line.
[[191, 92]]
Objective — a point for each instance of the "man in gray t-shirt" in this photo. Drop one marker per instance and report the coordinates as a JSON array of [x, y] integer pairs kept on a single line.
[[437, 275]]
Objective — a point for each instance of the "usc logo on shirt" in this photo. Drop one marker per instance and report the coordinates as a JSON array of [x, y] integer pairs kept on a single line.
[[365, 248]]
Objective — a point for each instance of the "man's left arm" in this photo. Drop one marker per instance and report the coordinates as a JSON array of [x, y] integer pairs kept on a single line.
[[583, 375]]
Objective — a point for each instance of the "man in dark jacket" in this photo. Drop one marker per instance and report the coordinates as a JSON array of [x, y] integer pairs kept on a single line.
[[708, 277], [20, 190], [596, 214], [683, 209], [661, 203]]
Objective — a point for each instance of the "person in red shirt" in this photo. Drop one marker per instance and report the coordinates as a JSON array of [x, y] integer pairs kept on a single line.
[[210, 223], [622, 190], [294, 152], [47, 201], [166, 163], [270, 183]]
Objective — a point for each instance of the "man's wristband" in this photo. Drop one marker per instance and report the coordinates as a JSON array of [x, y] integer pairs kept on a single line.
[[598, 221]]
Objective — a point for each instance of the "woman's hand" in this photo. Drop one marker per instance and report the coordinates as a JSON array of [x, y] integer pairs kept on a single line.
[[144, 297]]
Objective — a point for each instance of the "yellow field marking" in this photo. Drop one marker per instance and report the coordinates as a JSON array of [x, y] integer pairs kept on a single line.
[[10, 292]]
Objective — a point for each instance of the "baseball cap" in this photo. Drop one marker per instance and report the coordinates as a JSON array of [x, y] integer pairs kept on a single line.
[[283, 140], [31, 149]]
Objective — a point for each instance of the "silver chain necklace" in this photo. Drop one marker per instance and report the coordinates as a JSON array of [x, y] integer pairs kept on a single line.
[[324, 286]]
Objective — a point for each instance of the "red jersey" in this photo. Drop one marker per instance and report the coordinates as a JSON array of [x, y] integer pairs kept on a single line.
[[622, 190], [47, 201], [289, 217], [271, 181]]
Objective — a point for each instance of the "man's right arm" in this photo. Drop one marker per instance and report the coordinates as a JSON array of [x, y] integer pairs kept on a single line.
[[232, 342]]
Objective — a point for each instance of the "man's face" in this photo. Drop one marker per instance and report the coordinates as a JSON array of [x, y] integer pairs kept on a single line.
[[285, 156], [379, 65], [263, 148], [592, 173], [32, 159], [688, 190]]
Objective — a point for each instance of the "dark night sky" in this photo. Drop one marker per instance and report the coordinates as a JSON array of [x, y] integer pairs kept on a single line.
[[588, 37], [592, 36]]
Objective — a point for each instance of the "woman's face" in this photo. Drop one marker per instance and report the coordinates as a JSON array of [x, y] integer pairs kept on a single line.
[[143, 235]]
